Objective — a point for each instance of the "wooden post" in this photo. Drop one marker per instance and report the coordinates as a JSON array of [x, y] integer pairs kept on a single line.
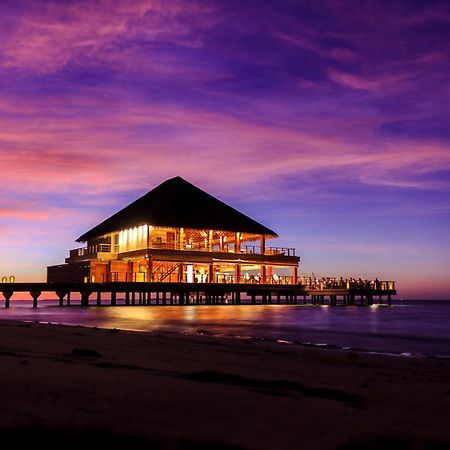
[[99, 298], [85, 298], [127, 298], [263, 274], [113, 298], [237, 245], [149, 274], [68, 298], [210, 240], [389, 300], [211, 273], [180, 272], [263, 244], [7, 295], [35, 295], [237, 273], [294, 275], [61, 296]]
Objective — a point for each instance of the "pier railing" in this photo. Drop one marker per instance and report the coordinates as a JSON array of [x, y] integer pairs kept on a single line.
[[311, 283]]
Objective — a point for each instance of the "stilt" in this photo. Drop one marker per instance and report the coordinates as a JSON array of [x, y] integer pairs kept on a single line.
[[35, 295], [113, 298], [127, 298], [7, 295], [60, 295], [99, 298], [68, 298], [85, 298]]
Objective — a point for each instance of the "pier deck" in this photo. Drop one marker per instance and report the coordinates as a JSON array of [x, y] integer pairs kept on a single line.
[[138, 293]]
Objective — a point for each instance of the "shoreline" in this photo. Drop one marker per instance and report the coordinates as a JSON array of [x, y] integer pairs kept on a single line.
[[213, 391], [355, 329], [301, 344]]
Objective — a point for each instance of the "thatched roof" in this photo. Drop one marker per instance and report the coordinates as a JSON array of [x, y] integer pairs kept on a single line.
[[178, 203]]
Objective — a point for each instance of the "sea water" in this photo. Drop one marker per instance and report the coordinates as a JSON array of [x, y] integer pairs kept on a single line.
[[408, 328]]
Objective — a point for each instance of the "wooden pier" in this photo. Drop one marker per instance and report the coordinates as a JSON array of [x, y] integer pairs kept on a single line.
[[139, 293]]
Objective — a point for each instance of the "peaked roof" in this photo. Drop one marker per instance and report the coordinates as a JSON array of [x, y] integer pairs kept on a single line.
[[178, 203]]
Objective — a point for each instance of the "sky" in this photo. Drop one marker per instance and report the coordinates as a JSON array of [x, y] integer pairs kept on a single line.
[[326, 121]]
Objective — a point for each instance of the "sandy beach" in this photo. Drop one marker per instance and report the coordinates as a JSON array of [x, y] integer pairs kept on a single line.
[[66, 385]]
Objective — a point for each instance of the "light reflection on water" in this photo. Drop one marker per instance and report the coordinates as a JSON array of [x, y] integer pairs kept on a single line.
[[414, 327]]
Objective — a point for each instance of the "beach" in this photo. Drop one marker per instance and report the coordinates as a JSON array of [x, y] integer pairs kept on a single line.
[[173, 390]]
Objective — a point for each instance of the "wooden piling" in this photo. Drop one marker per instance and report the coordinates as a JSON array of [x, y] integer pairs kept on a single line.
[[35, 295]]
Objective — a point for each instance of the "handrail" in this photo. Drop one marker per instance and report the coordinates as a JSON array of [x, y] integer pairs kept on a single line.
[[226, 248], [310, 283]]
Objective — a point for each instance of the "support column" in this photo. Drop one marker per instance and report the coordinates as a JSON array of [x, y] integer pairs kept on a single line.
[[99, 298], [210, 240], [263, 244], [237, 273], [35, 295], [237, 245], [182, 241], [263, 274], [180, 272], [149, 274], [7, 295], [85, 298], [61, 296], [211, 274], [294, 275]]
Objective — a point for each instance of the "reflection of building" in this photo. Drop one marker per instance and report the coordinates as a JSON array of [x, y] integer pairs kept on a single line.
[[178, 233]]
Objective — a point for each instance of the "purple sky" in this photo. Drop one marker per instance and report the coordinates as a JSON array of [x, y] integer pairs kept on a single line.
[[327, 121]]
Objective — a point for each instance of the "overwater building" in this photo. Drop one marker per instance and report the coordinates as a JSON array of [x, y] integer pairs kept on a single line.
[[178, 233]]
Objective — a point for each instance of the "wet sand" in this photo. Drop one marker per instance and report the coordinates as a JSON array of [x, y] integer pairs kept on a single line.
[[70, 385]]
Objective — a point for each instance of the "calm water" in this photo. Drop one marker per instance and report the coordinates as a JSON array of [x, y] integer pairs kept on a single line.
[[414, 327]]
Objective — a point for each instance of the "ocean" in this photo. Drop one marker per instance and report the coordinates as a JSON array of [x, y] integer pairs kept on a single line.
[[419, 328]]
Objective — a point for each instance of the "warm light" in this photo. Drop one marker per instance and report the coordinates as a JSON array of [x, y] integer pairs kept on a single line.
[[190, 273], [12, 279], [4, 279]]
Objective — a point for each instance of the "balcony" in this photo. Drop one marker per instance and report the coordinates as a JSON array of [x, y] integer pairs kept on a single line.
[[93, 251]]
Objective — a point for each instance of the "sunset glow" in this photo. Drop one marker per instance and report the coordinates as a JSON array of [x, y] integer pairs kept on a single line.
[[328, 122]]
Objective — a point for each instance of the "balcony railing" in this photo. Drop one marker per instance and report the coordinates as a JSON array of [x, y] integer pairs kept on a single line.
[[94, 249], [226, 248]]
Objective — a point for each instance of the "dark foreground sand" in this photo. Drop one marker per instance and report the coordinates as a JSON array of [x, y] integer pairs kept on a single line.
[[70, 387]]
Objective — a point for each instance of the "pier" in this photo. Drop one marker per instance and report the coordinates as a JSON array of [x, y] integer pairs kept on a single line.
[[329, 292]]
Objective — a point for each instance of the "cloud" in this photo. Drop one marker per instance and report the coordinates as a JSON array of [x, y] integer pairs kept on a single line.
[[53, 35]]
